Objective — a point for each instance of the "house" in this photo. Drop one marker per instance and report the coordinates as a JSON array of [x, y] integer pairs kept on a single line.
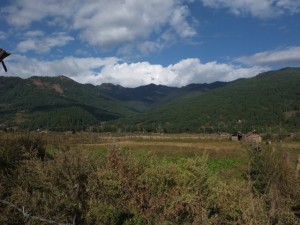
[[234, 138], [237, 137]]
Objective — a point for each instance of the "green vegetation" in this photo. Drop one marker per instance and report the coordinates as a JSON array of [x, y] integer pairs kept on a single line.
[[269, 103], [54, 104], [139, 172], [66, 178], [218, 165]]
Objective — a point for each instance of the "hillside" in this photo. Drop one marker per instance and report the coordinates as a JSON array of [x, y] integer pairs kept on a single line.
[[269, 102], [54, 103], [146, 97]]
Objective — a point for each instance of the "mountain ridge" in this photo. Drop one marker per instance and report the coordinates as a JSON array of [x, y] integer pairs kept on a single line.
[[152, 94], [60, 103], [266, 102]]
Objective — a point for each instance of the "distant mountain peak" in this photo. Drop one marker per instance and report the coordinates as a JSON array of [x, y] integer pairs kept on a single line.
[[63, 77]]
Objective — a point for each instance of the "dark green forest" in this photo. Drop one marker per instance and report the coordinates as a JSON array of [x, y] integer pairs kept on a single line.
[[57, 104], [268, 103]]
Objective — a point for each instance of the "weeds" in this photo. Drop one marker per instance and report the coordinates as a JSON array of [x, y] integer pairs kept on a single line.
[[116, 186]]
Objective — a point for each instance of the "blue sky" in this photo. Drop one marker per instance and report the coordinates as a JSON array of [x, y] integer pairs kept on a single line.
[[134, 42]]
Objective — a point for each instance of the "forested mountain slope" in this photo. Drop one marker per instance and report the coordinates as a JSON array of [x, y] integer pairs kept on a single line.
[[146, 97], [56, 103], [269, 101]]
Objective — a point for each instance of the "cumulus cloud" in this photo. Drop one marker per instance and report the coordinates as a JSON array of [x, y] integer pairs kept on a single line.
[[2, 35], [113, 70], [39, 43], [34, 33], [114, 22], [70, 66], [256, 8], [22, 13], [103, 23], [193, 71], [285, 57], [181, 26], [180, 74], [291, 6]]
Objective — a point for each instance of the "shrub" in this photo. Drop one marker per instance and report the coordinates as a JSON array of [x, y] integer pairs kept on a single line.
[[130, 189]]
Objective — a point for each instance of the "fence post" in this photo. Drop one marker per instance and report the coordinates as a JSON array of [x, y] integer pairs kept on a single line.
[[298, 166]]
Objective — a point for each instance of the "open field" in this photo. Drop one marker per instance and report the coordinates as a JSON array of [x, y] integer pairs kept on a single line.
[[168, 145], [97, 178], [160, 145], [223, 153]]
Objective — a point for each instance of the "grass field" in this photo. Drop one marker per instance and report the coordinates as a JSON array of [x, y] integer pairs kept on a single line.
[[224, 155], [183, 145], [148, 179], [227, 157]]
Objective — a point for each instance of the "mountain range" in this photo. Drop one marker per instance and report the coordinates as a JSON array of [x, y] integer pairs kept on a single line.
[[268, 102]]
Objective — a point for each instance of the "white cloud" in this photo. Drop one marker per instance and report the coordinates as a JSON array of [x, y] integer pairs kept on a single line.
[[280, 58], [115, 22], [70, 66], [41, 44], [104, 23], [193, 71], [3, 35], [181, 26], [136, 74], [256, 8], [34, 33], [292, 6], [112, 70], [22, 13]]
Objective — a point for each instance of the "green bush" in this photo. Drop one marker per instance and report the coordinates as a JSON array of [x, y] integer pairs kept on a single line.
[[121, 188]]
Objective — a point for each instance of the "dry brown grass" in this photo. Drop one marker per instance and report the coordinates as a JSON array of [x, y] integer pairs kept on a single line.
[[162, 145]]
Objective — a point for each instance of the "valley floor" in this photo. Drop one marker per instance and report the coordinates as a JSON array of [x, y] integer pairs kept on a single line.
[[97, 178]]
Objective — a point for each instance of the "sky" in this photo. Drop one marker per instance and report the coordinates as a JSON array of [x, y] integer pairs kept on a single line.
[[134, 42]]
